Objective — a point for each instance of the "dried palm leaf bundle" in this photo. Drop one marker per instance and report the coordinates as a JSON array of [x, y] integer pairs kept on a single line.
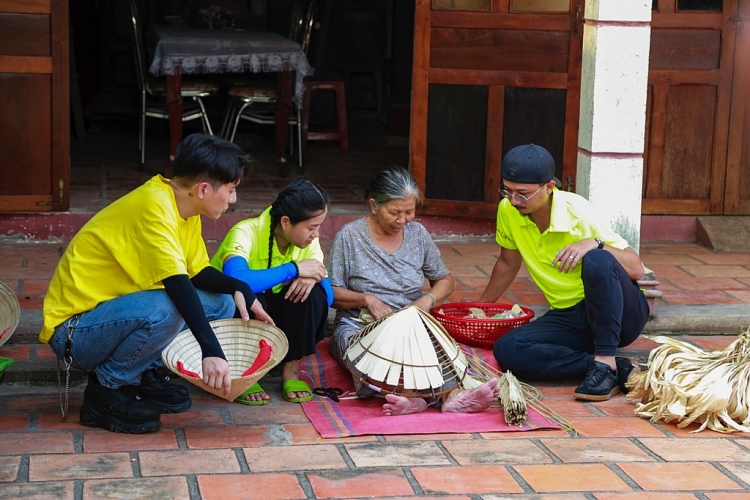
[[512, 399], [434, 364], [687, 384]]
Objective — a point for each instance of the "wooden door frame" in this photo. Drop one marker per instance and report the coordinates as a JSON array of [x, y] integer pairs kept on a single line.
[[740, 108], [659, 82], [57, 66], [423, 75]]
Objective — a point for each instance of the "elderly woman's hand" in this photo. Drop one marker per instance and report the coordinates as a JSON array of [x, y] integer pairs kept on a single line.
[[377, 307], [425, 303]]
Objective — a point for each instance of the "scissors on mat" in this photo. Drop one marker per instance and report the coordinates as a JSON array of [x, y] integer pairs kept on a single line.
[[329, 392]]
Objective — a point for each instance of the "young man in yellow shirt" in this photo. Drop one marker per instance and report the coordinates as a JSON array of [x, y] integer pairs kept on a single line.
[[586, 271], [134, 276]]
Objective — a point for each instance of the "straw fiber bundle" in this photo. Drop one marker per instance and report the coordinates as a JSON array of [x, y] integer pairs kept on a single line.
[[243, 342], [687, 384], [10, 313]]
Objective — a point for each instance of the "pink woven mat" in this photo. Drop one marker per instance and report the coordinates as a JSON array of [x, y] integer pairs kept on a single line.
[[356, 417]]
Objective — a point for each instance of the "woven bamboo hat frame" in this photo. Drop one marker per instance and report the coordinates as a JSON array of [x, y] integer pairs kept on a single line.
[[240, 341], [10, 313], [407, 353]]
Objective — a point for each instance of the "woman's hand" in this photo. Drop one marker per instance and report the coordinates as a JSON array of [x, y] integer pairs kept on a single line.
[[311, 268], [424, 302], [300, 289], [377, 307]]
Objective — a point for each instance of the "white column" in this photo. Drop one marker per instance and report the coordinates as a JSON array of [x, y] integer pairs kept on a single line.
[[614, 79]]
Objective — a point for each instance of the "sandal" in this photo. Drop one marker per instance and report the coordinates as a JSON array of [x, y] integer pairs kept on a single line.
[[290, 386], [254, 389]]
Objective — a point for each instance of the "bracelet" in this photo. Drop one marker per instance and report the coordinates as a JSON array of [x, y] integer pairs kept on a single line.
[[434, 300], [296, 268]]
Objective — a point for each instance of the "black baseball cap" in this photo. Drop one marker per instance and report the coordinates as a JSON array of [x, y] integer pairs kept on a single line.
[[529, 164]]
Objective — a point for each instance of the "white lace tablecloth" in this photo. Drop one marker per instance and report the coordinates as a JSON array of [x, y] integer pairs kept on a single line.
[[226, 51]]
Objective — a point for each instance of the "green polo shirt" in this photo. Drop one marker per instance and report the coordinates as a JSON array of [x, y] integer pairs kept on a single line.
[[573, 218], [249, 239]]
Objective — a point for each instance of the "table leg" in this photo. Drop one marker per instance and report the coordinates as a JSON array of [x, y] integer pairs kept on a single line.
[[174, 108], [283, 105]]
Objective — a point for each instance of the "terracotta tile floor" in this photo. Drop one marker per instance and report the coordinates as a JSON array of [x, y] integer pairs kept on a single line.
[[222, 450]]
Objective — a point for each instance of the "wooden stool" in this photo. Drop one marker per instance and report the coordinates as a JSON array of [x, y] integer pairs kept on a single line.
[[341, 131]]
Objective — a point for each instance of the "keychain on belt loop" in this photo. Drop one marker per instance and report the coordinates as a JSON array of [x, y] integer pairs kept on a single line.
[[68, 360]]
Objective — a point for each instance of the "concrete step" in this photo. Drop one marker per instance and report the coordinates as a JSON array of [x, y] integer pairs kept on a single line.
[[724, 233], [35, 363]]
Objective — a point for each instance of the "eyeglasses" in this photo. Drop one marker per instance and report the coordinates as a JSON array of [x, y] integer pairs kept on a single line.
[[523, 199]]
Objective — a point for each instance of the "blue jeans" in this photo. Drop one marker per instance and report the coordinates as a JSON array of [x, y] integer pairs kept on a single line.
[[123, 337], [562, 343]]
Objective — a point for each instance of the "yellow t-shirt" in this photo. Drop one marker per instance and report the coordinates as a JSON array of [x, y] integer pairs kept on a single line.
[[249, 239], [127, 247], [573, 218]]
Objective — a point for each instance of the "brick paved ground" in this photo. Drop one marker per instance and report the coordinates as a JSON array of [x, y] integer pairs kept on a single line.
[[223, 450]]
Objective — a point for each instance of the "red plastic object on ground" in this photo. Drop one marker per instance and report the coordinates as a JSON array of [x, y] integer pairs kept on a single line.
[[478, 332]]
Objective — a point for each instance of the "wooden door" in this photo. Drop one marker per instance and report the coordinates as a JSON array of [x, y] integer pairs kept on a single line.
[[34, 105], [490, 75], [690, 92], [737, 190]]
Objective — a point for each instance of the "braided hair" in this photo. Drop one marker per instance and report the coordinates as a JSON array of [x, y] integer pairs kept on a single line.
[[300, 200]]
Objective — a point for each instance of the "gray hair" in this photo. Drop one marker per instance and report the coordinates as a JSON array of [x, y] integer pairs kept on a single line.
[[393, 183]]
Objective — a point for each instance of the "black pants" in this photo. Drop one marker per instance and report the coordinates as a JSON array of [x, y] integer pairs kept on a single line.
[[562, 342], [303, 323]]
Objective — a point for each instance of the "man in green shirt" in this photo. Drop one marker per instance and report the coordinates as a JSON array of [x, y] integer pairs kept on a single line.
[[586, 271]]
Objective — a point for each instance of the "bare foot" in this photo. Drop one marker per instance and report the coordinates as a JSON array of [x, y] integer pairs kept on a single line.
[[474, 400], [400, 405]]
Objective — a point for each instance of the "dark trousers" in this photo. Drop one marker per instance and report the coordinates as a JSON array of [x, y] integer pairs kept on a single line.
[[303, 323], [561, 343]]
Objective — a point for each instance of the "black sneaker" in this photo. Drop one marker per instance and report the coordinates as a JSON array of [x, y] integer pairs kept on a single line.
[[625, 368], [117, 410], [168, 397], [600, 383]]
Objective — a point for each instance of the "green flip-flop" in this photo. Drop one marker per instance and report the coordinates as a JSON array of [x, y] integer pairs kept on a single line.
[[254, 389], [290, 386]]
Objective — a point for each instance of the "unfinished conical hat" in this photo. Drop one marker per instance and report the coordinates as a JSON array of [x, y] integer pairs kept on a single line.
[[407, 352], [10, 312], [252, 348]]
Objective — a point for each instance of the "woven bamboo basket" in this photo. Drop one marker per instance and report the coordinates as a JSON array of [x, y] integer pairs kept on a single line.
[[241, 342], [10, 313], [407, 353]]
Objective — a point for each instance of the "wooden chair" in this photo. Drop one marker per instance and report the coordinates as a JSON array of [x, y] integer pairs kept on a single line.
[[153, 91], [256, 102]]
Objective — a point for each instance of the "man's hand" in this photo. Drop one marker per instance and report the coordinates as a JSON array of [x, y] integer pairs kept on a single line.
[[311, 268], [300, 289], [216, 374], [261, 313], [239, 301], [567, 258]]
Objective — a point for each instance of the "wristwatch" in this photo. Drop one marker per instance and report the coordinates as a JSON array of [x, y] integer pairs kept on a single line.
[[600, 242]]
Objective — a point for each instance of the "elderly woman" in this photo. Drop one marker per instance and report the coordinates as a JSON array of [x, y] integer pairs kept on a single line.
[[380, 263]]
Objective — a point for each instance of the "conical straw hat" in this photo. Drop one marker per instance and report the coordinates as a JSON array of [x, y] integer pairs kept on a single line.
[[408, 353], [241, 342], [10, 313]]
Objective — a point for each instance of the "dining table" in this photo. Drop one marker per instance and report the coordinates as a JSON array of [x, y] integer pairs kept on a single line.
[[181, 51]]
